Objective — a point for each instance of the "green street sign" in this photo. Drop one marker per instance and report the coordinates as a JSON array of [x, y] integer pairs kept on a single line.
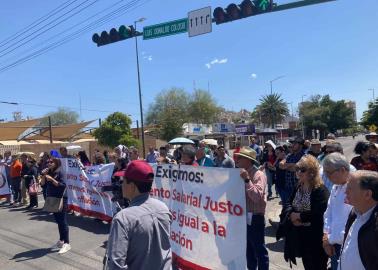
[[165, 29]]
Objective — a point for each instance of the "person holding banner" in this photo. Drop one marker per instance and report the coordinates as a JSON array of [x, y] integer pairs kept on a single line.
[[255, 188], [139, 235], [15, 174]]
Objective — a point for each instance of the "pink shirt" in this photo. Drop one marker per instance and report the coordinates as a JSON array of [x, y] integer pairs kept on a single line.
[[255, 192]]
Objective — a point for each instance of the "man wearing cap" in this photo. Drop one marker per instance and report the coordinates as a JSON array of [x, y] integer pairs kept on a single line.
[[315, 148], [139, 235], [223, 160], [255, 189], [289, 165]]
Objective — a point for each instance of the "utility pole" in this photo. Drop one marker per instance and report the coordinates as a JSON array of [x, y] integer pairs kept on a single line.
[[373, 90], [303, 131], [50, 130], [140, 90]]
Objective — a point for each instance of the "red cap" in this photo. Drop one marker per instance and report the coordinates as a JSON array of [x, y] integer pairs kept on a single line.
[[137, 170]]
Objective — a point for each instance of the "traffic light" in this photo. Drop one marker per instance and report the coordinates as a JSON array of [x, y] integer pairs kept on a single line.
[[114, 35], [244, 9]]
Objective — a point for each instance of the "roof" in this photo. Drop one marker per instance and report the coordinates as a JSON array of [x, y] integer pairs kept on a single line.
[[60, 133], [12, 130]]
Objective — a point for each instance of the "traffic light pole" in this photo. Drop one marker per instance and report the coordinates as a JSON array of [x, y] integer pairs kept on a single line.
[[140, 93]]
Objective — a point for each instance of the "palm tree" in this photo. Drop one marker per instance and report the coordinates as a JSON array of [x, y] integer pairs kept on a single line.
[[273, 109]]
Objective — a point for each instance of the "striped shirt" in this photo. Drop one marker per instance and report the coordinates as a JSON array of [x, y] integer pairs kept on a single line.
[[256, 192]]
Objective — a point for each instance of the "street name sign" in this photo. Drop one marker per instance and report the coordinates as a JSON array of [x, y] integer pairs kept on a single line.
[[199, 22], [165, 29]]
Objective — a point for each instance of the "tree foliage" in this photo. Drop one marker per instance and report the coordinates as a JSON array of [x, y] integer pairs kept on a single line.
[[62, 116], [174, 107], [115, 130], [325, 114], [370, 116], [271, 110], [202, 107]]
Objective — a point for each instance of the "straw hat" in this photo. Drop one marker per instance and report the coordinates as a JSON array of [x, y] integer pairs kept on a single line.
[[248, 153]]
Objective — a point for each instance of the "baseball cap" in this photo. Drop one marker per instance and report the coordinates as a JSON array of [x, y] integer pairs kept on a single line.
[[137, 170], [298, 140]]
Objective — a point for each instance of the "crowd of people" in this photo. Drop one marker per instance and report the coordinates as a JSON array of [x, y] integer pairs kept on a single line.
[[329, 205]]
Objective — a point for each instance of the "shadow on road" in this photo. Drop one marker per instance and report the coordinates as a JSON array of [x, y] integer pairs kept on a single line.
[[277, 246], [84, 223], [31, 254]]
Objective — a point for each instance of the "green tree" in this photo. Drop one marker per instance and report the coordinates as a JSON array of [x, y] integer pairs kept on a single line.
[[271, 110], [115, 130], [63, 116], [325, 114], [370, 116], [169, 112], [202, 107]]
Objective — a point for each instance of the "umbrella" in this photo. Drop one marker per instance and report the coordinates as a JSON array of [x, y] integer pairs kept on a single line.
[[25, 153], [210, 141], [73, 148], [181, 140]]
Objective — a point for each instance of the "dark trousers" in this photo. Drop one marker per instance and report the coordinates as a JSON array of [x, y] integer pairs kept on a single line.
[[335, 258], [61, 220], [257, 254], [16, 189], [313, 254], [33, 198]]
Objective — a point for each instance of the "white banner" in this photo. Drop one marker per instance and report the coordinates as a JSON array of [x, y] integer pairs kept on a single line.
[[84, 188], [209, 215], [4, 188]]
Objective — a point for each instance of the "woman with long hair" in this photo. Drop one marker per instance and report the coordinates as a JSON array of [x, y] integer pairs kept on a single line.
[[365, 159], [52, 178], [303, 217]]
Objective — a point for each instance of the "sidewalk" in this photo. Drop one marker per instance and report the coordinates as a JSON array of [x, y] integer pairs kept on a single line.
[[275, 249]]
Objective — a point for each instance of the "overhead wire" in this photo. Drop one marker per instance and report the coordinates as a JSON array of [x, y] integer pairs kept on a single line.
[[37, 22], [49, 28], [109, 17], [70, 28]]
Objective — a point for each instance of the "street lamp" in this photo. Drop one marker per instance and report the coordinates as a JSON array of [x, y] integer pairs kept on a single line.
[[373, 90], [271, 83], [140, 91], [303, 132]]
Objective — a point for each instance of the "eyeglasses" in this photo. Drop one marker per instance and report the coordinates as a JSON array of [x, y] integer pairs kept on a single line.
[[300, 169]]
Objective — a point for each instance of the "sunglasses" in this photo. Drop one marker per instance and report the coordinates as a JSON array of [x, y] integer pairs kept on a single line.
[[300, 169]]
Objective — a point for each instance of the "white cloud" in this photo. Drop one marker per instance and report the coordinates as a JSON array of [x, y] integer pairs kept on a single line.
[[216, 61], [253, 76], [147, 57]]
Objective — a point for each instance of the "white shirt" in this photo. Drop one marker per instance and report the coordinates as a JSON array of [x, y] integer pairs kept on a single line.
[[350, 258], [336, 215]]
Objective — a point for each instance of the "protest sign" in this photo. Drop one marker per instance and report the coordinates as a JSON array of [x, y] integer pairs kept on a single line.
[[84, 188], [4, 188], [209, 215]]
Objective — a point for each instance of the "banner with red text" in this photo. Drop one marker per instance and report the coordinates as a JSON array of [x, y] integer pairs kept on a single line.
[[209, 215], [4, 188], [84, 188]]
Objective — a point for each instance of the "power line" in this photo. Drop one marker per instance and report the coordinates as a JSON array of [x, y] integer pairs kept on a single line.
[[109, 17], [51, 27], [36, 22]]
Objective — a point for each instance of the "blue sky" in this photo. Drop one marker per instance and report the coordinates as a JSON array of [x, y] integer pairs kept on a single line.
[[330, 48]]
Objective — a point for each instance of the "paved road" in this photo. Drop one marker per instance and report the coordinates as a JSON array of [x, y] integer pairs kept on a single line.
[[25, 238]]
